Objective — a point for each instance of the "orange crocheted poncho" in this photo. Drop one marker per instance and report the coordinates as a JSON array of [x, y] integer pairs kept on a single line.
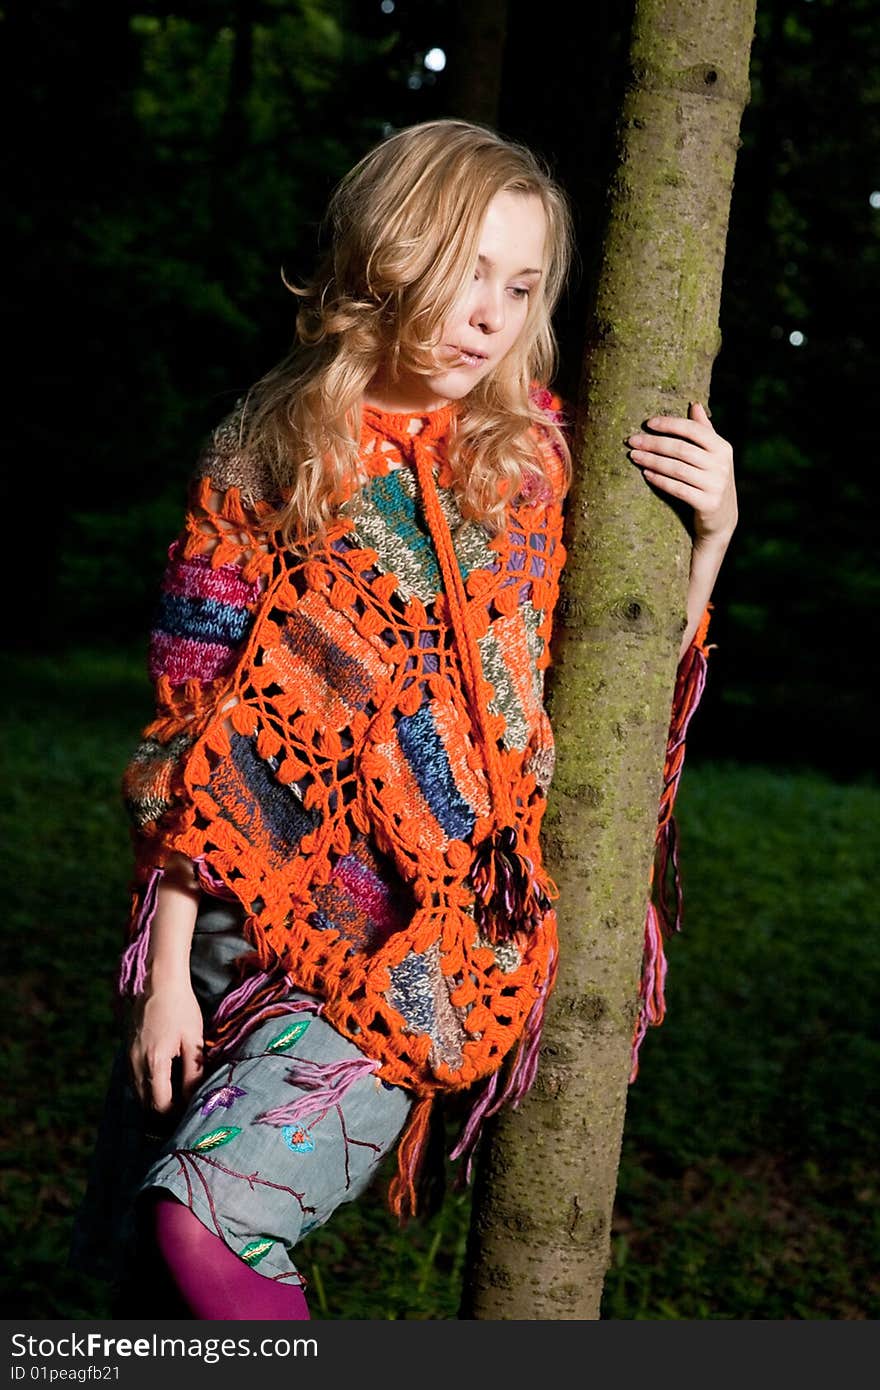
[[352, 743]]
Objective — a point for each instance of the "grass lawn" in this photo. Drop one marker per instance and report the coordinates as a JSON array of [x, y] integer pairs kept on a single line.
[[748, 1184]]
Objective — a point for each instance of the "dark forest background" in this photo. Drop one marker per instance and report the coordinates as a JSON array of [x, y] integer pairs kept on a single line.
[[174, 157], [164, 164]]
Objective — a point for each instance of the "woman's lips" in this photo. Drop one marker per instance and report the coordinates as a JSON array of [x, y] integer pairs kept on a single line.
[[471, 359]]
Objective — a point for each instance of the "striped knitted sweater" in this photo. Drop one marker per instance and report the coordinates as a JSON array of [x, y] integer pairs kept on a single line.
[[337, 733]]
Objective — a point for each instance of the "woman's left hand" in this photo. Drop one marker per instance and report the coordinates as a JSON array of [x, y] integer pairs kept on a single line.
[[687, 459]]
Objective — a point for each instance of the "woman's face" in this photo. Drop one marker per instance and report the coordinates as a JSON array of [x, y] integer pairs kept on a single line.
[[490, 316]]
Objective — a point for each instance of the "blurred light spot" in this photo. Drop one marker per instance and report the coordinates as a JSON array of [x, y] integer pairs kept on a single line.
[[435, 60], [414, 82], [796, 338], [387, 128], [387, 6], [874, 200]]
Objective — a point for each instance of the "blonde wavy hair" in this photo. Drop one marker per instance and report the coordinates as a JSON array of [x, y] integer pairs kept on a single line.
[[405, 224]]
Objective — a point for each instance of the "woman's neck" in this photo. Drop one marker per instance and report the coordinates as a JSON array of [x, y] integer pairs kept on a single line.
[[403, 398]]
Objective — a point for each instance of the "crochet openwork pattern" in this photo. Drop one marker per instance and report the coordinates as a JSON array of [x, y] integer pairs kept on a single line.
[[337, 730]]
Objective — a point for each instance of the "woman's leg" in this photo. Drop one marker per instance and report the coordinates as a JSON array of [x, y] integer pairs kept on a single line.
[[214, 1283], [289, 1124]]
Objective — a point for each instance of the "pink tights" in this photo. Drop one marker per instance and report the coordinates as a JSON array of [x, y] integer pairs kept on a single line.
[[214, 1283]]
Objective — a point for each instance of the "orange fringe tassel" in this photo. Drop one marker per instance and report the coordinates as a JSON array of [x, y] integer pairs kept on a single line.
[[411, 1151]]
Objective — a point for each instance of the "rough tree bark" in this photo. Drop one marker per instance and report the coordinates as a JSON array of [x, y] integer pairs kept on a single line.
[[546, 1178]]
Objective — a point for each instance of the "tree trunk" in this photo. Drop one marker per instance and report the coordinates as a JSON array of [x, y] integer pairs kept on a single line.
[[474, 84], [546, 1178]]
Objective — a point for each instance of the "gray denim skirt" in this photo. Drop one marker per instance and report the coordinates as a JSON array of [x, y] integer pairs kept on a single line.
[[288, 1122]]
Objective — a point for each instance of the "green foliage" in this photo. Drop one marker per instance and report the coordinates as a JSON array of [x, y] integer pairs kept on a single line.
[[149, 288], [361, 1265], [67, 741], [147, 292], [748, 1176], [98, 584]]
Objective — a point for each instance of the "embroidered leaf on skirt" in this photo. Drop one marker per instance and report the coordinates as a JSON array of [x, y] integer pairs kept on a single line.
[[255, 1251], [215, 1138], [221, 1098], [289, 1036]]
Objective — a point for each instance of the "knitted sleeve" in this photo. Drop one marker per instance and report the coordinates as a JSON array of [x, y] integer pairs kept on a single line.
[[216, 570]]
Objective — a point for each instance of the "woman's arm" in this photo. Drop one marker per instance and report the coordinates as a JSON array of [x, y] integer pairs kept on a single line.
[[216, 572], [167, 1017], [214, 581], [687, 459], [706, 559]]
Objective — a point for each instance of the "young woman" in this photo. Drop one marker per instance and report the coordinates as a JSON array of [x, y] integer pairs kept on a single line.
[[340, 912]]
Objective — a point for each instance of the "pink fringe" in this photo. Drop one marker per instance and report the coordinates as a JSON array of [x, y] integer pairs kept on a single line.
[[690, 683], [132, 976], [326, 1082], [238, 998], [652, 998], [519, 1082], [212, 882], [473, 1128], [525, 1066], [274, 1008], [671, 912], [693, 677]]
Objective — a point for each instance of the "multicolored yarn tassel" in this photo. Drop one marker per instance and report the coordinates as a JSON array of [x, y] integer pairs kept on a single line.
[[261, 997], [509, 899], [652, 998], [670, 911], [473, 1128], [659, 924], [520, 1078], [326, 1084], [132, 977], [524, 1068]]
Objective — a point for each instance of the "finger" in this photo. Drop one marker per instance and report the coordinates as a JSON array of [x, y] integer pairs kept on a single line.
[[192, 1060], [694, 430], [159, 1084], [675, 488], [675, 471], [136, 1075], [650, 445]]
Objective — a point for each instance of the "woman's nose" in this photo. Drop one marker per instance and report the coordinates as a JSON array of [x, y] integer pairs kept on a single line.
[[488, 312]]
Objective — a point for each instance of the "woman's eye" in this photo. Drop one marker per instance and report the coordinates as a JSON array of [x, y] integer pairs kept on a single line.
[[520, 291]]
